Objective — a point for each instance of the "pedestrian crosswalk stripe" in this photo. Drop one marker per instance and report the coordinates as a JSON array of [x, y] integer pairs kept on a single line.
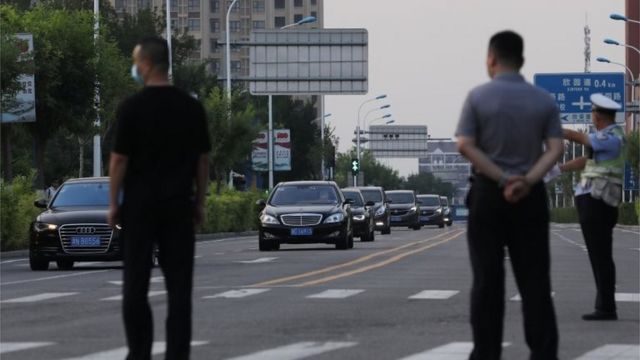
[[235, 294], [450, 351], [335, 294], [258, 261], [7, 347], [159, 347], [435, 294], [119, 297], [296, 351], [613, 351], [39, 297], [628, 297]]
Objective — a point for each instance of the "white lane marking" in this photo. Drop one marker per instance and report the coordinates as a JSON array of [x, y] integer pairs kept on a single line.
[[236, 294], [296, 351], [517, 297], [12, 261], [89, 263], [628, 297], [258, 261], [582, 246], [434, 294], [450, 351], [153, 280], [53, 277], [612, 351], [116, 282], [39, 297], [158, 348], [119, 297], [6, 347], [627, 231], [335, 294]]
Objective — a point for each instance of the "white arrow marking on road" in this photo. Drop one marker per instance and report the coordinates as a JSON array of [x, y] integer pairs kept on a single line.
[[119, 297], [450, 351], [258, 261], [627, 297], [6, 347], [235, 294], [39, 297], [296, 351], [612, 351], [158, 348], [435, 294], [335, 294], [53, 277]]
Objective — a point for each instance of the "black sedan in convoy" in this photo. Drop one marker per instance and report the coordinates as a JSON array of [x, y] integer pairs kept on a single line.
[[74, 226], [431, 210], [382, 214], [305, 212], [446, 210], [362, 214], [404, 208]]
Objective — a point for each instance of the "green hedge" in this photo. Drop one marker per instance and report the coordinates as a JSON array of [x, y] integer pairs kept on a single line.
[[231, 211], [16, 212], [628, 214]]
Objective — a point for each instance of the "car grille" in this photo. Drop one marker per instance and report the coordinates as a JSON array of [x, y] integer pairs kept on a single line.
[[104, 231], [399, 212], [301, 219], [427, 212]]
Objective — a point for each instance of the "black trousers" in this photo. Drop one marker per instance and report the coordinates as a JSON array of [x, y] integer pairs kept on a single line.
[[597, 220], [522, 228], [173, 232]]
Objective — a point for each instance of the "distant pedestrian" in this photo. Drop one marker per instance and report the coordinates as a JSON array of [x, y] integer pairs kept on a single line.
[[51, 190], [502, 130], [597, 197], [159, 157]]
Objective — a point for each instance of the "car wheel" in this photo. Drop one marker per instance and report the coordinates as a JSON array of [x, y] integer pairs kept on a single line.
[[450, 223], [343, 243], [386, 231], [264, 245], [417, 227], [441, 225], [275, 245], [64, 264], [38, 264], [372, 236]]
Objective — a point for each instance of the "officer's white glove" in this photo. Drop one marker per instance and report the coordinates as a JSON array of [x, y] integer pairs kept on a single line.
[[553, 173]]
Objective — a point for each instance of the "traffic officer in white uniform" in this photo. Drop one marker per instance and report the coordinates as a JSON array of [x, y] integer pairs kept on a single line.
[[597, 197]]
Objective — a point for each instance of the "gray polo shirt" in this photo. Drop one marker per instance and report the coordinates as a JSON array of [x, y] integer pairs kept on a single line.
[[510, 119]]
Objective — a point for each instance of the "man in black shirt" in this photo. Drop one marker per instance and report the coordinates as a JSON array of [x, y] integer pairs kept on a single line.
[[159, 156]]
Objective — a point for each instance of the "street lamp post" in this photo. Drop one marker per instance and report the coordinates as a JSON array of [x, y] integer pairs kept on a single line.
[[379, 97], [633, 86], [228, 49], [97, 148], [623, 18], [322, 117], [613, 42]]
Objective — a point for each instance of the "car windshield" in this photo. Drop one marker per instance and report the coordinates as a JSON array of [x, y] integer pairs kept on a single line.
[[82, 194], [304, 194], [372, 195], [444, 202], [429, 200], [401, 198], [352, 195]]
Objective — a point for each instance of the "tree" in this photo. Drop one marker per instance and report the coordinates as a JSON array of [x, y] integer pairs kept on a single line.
[[633, 149], [427, 183], [375, 173]]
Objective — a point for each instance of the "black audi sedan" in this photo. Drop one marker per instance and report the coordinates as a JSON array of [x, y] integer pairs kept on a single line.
[[382, 214], [362, 214], [305, 212], [74, 226], [404, 208], [431, 210]]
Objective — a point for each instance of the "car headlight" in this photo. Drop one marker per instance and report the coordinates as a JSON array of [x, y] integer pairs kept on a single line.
[[334, 218], [439, 211], [413, 209], [118, 227], [380, 211], [268, 219], [40, 226], [358, 217]]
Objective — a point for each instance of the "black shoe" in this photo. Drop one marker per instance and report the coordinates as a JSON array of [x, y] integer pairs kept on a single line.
[[600, 315]]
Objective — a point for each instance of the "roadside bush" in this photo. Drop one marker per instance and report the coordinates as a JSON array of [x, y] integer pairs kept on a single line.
[[564, 215], [231, 211], [628, 214], [16, 212]]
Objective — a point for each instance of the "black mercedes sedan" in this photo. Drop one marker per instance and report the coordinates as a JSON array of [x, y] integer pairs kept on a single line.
[[404, 208], [362, 214], [305, 212], [74, 226]]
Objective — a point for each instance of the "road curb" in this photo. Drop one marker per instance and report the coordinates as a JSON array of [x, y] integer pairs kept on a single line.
[[199, 237]]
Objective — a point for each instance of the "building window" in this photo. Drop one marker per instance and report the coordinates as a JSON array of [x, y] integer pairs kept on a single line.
[[314, 2], [214, 5], [279, 21], [214, 25], [297, 17], [314, 14], [213, 44], [214, 67], [234, 26], [258, 24], [194, 24], [174, 5], [279, 4], [235, 7], [297, 3], [194, 5], [235, 66], [258, 5]]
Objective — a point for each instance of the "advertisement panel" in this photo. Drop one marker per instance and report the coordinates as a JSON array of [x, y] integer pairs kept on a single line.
[[23, 107], [281, 151]]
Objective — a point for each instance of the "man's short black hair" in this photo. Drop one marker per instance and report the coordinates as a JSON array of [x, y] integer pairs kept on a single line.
[[155, 50], [507, 46]]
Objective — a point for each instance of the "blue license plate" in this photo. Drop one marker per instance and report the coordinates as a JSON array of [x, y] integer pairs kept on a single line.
[[303, 231], [425, 218], [85, 241], [396, 218]]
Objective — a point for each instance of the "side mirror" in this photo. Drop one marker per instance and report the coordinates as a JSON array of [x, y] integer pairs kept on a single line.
[[369, 203], [261, 204], [389, 201], [348, 201], [41, 203]]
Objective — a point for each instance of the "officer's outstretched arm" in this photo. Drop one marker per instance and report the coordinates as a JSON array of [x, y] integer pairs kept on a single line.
[[576, 164], [575, 136]]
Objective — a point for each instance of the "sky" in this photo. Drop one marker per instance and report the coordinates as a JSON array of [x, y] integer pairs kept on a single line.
[[425, 55]]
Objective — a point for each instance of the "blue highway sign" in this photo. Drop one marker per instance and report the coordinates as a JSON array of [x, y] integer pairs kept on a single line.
[[630, 177]]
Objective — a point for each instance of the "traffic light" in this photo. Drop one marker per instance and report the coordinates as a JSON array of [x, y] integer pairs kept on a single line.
[[355, 166]]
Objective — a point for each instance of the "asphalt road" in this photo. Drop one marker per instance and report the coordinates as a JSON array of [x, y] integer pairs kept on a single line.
[[404, 296]]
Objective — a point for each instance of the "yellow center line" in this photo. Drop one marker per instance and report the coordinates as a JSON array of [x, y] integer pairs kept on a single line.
[[339, 266], [377, 265]]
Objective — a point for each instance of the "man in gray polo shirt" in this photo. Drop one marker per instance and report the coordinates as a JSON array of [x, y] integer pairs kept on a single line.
[[510, 131]]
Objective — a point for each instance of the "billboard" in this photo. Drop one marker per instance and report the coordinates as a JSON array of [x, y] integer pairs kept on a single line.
[[281, 151], [23, 107], [309, 61]]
